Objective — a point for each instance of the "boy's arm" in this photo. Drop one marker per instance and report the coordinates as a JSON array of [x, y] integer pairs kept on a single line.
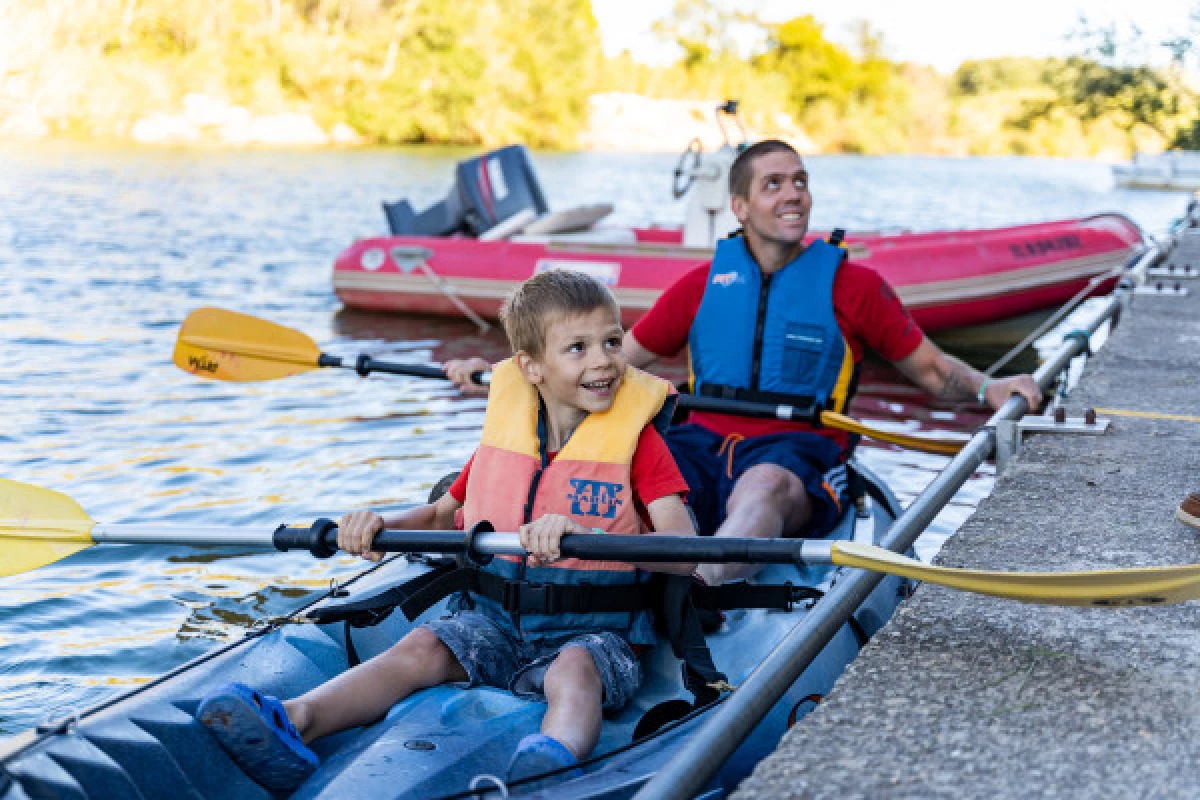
[[542, 538], [438, 516], [357, 530], [670, 518]]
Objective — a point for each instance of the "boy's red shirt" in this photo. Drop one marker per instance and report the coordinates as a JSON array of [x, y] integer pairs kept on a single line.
[[653, 473], [868, 312]]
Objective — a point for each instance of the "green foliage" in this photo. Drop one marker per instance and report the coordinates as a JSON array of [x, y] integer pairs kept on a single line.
[[490, 72], [862, 103], [454, 71]]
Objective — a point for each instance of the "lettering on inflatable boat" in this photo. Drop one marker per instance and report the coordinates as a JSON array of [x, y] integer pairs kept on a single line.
[[608, 273], [202, 364], [1040, 247], [595, 498]]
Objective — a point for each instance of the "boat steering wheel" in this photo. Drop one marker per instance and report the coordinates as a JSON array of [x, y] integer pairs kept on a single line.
[[685, 168]]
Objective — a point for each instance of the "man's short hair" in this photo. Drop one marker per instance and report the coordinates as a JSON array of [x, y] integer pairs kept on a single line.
[[741, 173], [528, 310]]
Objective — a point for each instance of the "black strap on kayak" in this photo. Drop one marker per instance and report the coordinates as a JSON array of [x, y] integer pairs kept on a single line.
[[417, 595], [520, 597], [375, 608], [858, 486], [679, 600], [686, 635], [773, 596]]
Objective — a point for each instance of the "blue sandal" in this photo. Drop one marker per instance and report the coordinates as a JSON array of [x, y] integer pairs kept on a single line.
[[538, 753], [254, 729]]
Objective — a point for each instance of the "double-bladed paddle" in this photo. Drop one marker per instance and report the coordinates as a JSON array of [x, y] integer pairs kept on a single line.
[[228, 346], [225, 345], [40, 526]]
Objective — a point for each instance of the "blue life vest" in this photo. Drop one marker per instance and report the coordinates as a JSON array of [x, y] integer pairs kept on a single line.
[[771, 338]]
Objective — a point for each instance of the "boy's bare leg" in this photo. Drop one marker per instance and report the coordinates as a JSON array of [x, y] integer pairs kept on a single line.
[[766, 501], [574, 694], [362, 695]]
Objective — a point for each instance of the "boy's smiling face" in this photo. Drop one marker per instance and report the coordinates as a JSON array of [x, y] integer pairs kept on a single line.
[[581, 365]]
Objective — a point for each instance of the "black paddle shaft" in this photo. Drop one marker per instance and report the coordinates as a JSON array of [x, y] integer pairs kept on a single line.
[[364, 365], [480, 544], [751, 408]]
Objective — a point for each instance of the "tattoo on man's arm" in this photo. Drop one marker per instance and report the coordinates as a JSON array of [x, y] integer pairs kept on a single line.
[[956, 387]]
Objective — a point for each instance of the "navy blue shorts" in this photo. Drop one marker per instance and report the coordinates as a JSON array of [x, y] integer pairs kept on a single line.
[[711, 465]]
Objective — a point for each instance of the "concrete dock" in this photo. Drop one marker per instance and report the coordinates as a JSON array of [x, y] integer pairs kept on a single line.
[[969, 696]]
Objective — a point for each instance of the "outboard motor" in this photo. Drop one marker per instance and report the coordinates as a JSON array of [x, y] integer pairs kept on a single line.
[[487, 191]]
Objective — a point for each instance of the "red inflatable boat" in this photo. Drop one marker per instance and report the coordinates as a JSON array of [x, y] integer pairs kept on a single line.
[[493, 231]]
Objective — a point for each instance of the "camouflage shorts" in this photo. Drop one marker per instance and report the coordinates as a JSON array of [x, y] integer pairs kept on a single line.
[[494, 656]]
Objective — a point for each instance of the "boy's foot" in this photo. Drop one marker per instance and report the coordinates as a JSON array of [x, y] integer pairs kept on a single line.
[[1189, 511], [538, 753], [255, 731]]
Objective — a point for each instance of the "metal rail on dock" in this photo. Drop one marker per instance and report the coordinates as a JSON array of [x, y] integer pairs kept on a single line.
[[702, 756]]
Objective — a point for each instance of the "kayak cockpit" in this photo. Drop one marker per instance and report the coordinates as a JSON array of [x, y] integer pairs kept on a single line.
[[436, 742]]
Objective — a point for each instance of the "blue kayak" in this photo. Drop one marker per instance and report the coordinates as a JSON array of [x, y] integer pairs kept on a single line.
[[441, 742]]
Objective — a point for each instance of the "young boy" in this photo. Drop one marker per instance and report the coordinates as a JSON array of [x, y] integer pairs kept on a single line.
[[569, 445]]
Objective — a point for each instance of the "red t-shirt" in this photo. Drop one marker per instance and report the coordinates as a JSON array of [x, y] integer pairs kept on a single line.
[[653, 473], [868, 311]]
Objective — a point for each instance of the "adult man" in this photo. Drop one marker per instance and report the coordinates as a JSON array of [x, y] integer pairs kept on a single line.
[[773, 318]]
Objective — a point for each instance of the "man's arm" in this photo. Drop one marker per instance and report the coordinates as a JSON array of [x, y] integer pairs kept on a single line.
[[948, 378], [637, 355]]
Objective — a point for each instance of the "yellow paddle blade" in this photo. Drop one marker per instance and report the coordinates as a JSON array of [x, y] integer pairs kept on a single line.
[[1144, 586], [38, 527], [948, 447], [227, 346]]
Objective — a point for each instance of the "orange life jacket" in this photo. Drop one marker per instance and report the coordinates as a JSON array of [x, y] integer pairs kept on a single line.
[[511, 483]]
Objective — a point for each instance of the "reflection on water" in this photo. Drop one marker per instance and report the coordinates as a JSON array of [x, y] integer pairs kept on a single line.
[[104, 253]]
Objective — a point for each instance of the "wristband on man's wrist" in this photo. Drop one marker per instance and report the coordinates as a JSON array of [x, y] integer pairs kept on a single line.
[[982, 396]]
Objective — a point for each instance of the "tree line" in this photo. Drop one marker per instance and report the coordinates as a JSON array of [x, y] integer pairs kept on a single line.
[[489, 72]]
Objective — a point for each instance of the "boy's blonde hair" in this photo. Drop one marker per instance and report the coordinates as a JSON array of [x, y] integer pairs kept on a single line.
[[527, 311]]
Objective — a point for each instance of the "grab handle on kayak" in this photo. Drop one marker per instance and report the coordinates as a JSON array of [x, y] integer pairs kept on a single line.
[[320, 538]]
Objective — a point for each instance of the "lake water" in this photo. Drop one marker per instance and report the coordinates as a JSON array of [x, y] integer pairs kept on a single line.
[[104, 252]]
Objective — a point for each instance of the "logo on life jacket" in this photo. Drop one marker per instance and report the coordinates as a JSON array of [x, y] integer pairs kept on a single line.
[[727, 279], [594, 498]]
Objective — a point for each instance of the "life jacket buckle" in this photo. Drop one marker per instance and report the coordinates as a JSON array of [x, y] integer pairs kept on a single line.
[[523, 597]]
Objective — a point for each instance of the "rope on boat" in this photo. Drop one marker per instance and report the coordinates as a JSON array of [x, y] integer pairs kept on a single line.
[[1053, 319], [1120, 412], [450, 294]]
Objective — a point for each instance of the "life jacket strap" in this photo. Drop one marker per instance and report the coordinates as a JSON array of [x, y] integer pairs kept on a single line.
[[726, 392]]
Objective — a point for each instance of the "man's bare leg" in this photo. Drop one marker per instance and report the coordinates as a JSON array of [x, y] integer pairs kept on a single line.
[[766, 501]]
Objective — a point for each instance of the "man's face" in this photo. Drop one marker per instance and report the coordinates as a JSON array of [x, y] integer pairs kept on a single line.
[[777, 206]]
